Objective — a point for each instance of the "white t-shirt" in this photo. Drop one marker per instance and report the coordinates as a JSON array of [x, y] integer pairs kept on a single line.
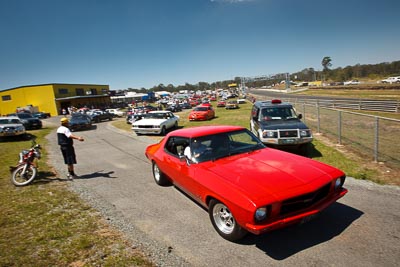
[[64, 130]]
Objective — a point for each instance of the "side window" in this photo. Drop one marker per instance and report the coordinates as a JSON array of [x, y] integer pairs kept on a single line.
[[254, 113], [176, 145], [6, 97]]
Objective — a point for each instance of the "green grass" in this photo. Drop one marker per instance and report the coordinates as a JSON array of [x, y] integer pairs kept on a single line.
[[44, 224]]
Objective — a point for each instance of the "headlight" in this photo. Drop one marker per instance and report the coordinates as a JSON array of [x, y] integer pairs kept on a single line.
[[38, 154], [269, 134], [339, 182], [261, 214], [305, 133]]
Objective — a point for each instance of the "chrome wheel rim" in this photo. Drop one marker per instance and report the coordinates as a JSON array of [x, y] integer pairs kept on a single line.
[[156, 172], [223, 218]]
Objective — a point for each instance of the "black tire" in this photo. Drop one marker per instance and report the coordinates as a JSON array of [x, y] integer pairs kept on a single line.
[[20, 180], [159, 176], [224, 222], [163, 130]]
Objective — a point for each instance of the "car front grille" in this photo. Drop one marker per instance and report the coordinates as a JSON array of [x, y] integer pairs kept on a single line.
[[146, 126], [304, 201], [288, 133]]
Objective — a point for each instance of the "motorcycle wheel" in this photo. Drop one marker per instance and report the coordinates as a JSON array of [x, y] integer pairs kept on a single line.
[[18, 179]]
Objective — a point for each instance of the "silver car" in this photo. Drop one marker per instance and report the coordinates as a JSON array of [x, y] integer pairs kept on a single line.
[[11, 126]]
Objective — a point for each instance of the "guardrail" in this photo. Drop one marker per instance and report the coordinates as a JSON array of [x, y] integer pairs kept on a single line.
[[371, 105]]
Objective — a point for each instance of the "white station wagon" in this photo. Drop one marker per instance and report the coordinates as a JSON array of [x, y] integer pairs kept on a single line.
[[156, 122]]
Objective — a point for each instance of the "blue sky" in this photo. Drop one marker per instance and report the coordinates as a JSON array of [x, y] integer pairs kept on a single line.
[[143, 43]]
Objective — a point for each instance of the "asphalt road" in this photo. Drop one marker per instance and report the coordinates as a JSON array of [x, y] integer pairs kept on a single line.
[[362, 229]]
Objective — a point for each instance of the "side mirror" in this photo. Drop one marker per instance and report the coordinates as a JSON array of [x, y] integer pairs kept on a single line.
[[300, 116], [183, 158]]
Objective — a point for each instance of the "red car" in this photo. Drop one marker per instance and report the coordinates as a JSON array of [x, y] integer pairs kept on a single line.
[[194, 102], [221, 103], [202, 113], [245, 186]]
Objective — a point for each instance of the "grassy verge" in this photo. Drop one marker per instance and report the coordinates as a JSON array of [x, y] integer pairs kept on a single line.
[[44, 224], [391, 94]]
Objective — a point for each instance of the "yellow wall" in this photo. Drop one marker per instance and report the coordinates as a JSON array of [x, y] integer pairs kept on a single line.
[[44, 97], [40, 96], [71, 89]]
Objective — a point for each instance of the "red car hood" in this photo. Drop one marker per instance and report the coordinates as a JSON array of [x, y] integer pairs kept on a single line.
[[198, 113], [269, 174]]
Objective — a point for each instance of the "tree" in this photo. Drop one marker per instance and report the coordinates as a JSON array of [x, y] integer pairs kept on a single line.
[[326, 63]]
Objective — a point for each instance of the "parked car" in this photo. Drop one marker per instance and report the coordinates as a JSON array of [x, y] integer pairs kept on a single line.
[[231, 105], [41, 115], [246, 186], [277, 124], [186, 105], [352, 82], [221, 104], [395, 79], [156, 122], [28, 120], [301, 84], [241, 101], [174, 108], [201, 113], [11, 126], [194, 102], [144, 109], [99, 115], [130, 118], [79, 122], [117, 112]]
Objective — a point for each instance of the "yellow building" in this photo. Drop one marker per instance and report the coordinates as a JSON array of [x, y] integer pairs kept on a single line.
[[315, 83], [52, 98]]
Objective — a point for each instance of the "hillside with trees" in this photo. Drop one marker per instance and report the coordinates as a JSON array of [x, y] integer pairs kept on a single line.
[[365, 72]]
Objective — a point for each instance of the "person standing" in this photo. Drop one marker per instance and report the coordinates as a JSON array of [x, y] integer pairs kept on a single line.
[[66, 143]]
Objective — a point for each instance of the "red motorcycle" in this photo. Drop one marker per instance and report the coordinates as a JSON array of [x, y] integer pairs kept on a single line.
[[26, 170]]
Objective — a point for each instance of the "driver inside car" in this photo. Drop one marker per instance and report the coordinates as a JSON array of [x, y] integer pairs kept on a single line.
[[195, 150]]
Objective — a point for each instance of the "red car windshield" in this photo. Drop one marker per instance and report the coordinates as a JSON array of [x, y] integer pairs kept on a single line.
[[200, 108], [226, 144]]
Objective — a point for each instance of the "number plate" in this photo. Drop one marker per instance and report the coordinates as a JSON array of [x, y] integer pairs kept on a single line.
[[288, 141]]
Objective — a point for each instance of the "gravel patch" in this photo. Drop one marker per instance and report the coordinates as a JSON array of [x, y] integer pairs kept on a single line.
[[157, 253]]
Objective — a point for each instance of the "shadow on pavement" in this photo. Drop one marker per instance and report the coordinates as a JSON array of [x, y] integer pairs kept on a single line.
[[98, 174], [283, 243]]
